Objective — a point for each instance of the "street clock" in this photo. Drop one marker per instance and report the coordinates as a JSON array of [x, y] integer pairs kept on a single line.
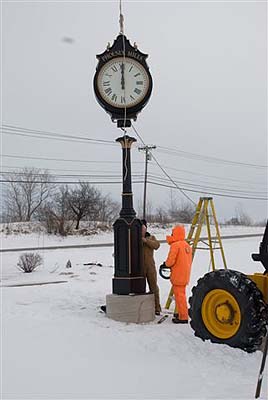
[[122, 82]]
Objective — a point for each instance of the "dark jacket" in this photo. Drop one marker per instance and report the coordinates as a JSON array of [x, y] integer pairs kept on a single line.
[[150, 243]]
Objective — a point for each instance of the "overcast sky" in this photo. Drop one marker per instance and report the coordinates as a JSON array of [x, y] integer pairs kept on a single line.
[[209, 66]]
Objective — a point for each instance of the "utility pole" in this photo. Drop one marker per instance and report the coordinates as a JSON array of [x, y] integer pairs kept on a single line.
[[148, 157]]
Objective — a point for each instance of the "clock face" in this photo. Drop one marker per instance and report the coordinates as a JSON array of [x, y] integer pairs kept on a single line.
[[123, 82]]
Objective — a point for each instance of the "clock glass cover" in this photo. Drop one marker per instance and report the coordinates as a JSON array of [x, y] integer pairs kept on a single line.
[[123, 82]]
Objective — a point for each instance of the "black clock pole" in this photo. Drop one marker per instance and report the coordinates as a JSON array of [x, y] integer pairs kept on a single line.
[[128, 252]]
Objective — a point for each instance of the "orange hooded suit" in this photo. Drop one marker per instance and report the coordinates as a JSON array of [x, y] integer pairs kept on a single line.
[[179, 261]]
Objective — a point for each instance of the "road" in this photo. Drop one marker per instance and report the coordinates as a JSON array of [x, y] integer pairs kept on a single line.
[[81, 246]]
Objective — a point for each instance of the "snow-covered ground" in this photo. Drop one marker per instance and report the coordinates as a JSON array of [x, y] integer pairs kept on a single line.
[[57, 345]]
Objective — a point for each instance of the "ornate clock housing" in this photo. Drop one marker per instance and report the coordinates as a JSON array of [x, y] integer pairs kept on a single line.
[[122, 82]]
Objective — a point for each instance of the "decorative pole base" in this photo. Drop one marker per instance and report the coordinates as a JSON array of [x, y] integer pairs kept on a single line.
[[129, 285]]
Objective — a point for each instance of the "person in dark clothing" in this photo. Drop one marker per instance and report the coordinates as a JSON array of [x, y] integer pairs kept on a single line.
[[150, 243]]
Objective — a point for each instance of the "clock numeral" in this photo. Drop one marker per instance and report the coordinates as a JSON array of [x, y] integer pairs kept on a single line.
[[106, 83], [108, 91], [130, 68], [108, 75], [114, 97], [139, 83], [138, 91], [114, 68], [132, 98], [123, 100], [137, 74]]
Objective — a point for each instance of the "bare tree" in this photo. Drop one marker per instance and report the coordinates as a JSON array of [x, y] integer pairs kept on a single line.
[[84, 200], [161, 215], [182, 211], [241, 217], [56, 213], [25, 192], [108, 210], [149, 210]]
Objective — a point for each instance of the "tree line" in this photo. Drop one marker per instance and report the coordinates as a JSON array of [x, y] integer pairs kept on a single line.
[[33, 195]]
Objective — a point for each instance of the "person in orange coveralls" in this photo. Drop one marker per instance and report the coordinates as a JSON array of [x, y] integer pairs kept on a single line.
[[179, 260]]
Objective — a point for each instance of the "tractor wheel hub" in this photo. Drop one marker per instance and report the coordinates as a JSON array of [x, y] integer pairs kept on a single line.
[[224, 313]]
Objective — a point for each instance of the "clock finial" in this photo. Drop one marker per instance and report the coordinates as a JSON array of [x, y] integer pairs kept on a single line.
[[121, 19]]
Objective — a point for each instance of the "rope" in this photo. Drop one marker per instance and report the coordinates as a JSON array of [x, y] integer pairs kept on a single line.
[[121, 31]]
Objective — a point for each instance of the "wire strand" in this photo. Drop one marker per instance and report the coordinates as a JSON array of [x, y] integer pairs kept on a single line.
[[163, 170]]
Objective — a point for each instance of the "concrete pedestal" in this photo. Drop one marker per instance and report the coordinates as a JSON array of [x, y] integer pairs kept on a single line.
[[136, 308]]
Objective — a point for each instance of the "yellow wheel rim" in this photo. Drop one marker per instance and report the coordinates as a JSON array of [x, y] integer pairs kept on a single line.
[[221, 314]]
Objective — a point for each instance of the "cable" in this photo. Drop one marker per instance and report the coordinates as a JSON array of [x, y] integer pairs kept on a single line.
[[55, 138], [211, 193], [17, 130], [114, 162], [211, 176], [14, 130], [64, 159], [138, 174], [196, 156], [66, 182], [162, 169], [121, 32], [68, 175], [206, 187], [55, 169], [190, 190], [134, 182]]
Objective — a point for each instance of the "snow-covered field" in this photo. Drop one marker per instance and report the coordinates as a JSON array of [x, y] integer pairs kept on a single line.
[[57, 345], [38, 238]]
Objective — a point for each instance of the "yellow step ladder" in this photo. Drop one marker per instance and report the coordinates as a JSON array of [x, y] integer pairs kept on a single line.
[[204, 215]]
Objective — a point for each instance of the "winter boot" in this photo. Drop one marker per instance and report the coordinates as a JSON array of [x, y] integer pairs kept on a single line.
[[179, 321]]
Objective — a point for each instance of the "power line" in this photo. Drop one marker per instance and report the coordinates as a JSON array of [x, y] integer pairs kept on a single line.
[[247, 197], [64, 159], [211, 193], [136, 182], [55, 169], [183, 189], [21, 131], [68, 175], [114, 162], [212, 176], [155, 177], [195, 156], [12, 128], [204, 186], [162, 169], [39, 136], [67, 182]]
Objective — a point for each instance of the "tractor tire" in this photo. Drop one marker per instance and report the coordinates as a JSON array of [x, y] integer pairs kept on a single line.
[[227, 307]]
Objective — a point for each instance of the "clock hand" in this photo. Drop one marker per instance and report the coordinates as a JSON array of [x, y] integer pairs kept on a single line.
[[122, 76]]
